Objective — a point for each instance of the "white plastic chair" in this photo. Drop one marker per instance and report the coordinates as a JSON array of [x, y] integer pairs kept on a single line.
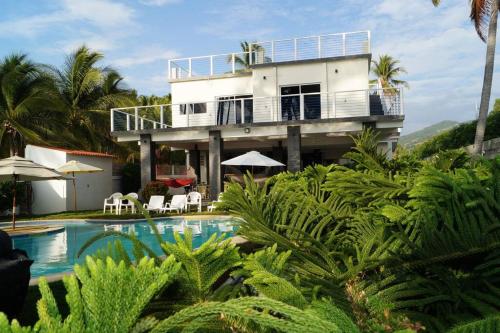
[[181, 228], [178, 203], [213, 205], [124, 203], [155, 203], [193, 199], [112, 201]]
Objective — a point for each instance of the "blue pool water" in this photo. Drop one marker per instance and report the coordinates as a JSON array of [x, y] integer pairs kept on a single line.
[[56, 252]]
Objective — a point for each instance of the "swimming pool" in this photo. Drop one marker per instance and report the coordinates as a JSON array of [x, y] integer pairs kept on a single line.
[[56, 252]]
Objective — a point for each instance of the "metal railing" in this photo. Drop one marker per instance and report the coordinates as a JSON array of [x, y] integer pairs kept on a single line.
[[227, 111], [282, 50]]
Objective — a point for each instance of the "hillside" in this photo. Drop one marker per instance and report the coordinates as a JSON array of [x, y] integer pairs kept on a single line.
[[414, 138]]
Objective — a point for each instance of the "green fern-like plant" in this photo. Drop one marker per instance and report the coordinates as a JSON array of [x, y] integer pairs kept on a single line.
[[105, 296], [201, 268]]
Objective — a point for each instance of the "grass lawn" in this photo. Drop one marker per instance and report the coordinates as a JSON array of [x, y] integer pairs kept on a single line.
[[95, 215]]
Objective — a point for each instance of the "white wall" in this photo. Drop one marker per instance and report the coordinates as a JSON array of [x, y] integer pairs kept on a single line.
[[265, 82], [48, 195], [193, 91], [91, 188], [57, 195]]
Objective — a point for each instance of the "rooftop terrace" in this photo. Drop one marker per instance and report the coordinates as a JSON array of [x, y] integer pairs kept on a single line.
[[274, 51]]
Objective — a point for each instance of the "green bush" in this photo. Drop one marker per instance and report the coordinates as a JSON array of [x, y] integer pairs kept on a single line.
[[461, 135], [131, 177], [155, 188], [6, 190]]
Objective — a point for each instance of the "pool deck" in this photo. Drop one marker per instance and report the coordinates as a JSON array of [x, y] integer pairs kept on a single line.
[[33, 230], [118, 221]]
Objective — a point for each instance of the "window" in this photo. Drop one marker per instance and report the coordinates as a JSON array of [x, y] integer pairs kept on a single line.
[[193, 108], [235, 110], [291, 108]]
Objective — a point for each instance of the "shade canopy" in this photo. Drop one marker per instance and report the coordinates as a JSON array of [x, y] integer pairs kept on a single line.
[[25, 170], [77, 167], [16, 168], [253, 158]]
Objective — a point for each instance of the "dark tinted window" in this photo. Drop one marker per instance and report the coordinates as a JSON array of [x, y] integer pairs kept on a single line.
[[290, 90], [199, 107], [310, 88]]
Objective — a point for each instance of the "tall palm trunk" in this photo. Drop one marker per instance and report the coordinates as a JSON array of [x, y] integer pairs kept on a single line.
[[488, 78]]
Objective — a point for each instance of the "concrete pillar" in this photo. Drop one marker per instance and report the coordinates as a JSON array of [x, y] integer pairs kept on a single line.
[[215, 150], [148, 160], [294, 162], [194, 161]]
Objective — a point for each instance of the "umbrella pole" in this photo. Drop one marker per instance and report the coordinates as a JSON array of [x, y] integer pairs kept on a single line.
[[74, 190], [14, 203]]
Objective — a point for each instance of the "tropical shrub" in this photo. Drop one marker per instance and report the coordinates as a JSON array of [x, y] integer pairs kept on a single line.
[[131, 177], [416, 242], [154, 188], [6, 191]]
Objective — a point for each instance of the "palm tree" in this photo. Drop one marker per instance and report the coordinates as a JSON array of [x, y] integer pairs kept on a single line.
[[386, 70], [244, 59], [88, 92], [484, 15], [153, 112], [28, 103]]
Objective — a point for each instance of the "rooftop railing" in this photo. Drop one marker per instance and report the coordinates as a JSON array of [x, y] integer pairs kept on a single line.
[[310, 106], [282, 50]]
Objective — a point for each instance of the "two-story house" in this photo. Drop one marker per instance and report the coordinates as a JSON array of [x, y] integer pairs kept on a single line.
[[296, 100]]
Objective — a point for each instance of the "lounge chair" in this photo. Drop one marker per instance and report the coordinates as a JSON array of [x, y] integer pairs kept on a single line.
[[112, 202], [193, 199], [213, 205], [181, 228], [155, 203], [178, 203], [124, 203]]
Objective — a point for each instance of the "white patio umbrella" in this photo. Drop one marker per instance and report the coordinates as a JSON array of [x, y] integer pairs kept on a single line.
[[253, 158], [74, 167], [16, 168]]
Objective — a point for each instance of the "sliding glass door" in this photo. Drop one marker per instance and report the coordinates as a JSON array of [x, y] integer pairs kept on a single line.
[[234, 110], [301, 102]]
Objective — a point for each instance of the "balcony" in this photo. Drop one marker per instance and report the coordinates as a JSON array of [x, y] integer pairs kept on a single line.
[[252, 110], [275, 51]]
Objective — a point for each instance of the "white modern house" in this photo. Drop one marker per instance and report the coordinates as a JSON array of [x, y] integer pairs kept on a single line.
[[53, 196], [295, 100]]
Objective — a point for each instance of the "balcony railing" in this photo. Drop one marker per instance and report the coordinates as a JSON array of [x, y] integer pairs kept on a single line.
[[312, 106], [292, 49]]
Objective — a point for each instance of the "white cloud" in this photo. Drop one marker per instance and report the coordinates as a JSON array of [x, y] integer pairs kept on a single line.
[[240, 20], [145, 56], [102, 14], [156, 84], [158, 2]]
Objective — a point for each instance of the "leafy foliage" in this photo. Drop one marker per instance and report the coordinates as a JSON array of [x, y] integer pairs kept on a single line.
[[154, 188], [417, 239], [386, 69], [204, 266]]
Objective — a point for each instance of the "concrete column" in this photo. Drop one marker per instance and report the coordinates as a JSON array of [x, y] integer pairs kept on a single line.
[[215, 150], [148, 160], [294, 163]]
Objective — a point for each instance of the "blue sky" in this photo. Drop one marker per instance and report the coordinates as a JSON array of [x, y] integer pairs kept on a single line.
[[438, 47]]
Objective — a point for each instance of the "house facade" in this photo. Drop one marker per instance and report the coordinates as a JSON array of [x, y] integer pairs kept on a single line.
[[296, 100]]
